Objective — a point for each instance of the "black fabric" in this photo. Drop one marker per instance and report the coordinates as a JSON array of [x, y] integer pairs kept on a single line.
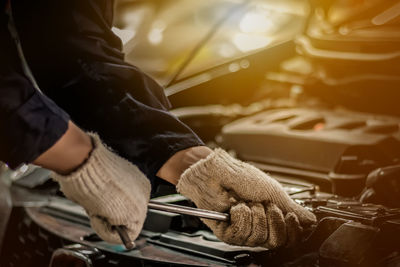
[[30, 123], [78, 63]]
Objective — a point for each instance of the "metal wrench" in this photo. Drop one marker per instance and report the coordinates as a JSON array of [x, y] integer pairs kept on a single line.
[[154, 205], [200, 213]]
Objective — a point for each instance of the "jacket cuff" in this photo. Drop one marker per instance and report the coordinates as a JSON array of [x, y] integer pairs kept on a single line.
[[32, 129]]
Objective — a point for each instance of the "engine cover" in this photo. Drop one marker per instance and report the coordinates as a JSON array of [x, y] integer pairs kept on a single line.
[[330, 145]]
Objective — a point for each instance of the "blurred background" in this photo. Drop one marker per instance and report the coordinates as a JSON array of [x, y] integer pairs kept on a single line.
[[160, 35], [344, 52]]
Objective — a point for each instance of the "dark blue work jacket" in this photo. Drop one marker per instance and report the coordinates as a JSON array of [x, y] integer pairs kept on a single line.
[[78, 64]]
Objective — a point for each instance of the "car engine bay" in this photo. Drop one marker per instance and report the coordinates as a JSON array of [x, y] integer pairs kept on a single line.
[[324, 121]]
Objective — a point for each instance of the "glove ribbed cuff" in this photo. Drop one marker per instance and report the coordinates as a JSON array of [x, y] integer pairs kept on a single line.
[[202, 171], [89, 177], [196, 181]]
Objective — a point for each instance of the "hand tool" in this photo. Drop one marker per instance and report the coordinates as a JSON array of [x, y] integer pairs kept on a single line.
[[200, 213], [155, 205], [123, 234]]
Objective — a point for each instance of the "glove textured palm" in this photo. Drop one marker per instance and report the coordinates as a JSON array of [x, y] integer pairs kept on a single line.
[[261, 213], [113, 192]]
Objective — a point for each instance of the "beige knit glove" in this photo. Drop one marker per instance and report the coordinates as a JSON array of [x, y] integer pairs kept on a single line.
[[261, 213], [113, 192]]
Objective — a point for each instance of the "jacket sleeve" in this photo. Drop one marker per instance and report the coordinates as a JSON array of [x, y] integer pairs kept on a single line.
[[30, 123], [78, 62]]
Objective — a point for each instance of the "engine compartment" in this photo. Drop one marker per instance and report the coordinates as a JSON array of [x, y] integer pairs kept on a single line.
[[351, 231], [316, 124]]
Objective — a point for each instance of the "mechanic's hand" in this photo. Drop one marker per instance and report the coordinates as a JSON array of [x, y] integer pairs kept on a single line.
[[113, 192], [261, 213]]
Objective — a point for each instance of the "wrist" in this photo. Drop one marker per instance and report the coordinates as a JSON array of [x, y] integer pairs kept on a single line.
[[172, 170], [68, 153]]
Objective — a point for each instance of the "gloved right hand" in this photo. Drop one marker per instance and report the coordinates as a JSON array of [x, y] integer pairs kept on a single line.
[[113, 192], [261, 213]]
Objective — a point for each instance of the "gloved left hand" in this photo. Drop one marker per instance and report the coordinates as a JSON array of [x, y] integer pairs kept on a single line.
[[113, 192], [261, 213]]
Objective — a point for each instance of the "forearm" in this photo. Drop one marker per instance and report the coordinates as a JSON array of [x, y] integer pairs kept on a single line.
[[172, 170], [68, 153]]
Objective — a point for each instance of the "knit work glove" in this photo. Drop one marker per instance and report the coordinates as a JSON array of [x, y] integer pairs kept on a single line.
[[113, 192], [261, 213]]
